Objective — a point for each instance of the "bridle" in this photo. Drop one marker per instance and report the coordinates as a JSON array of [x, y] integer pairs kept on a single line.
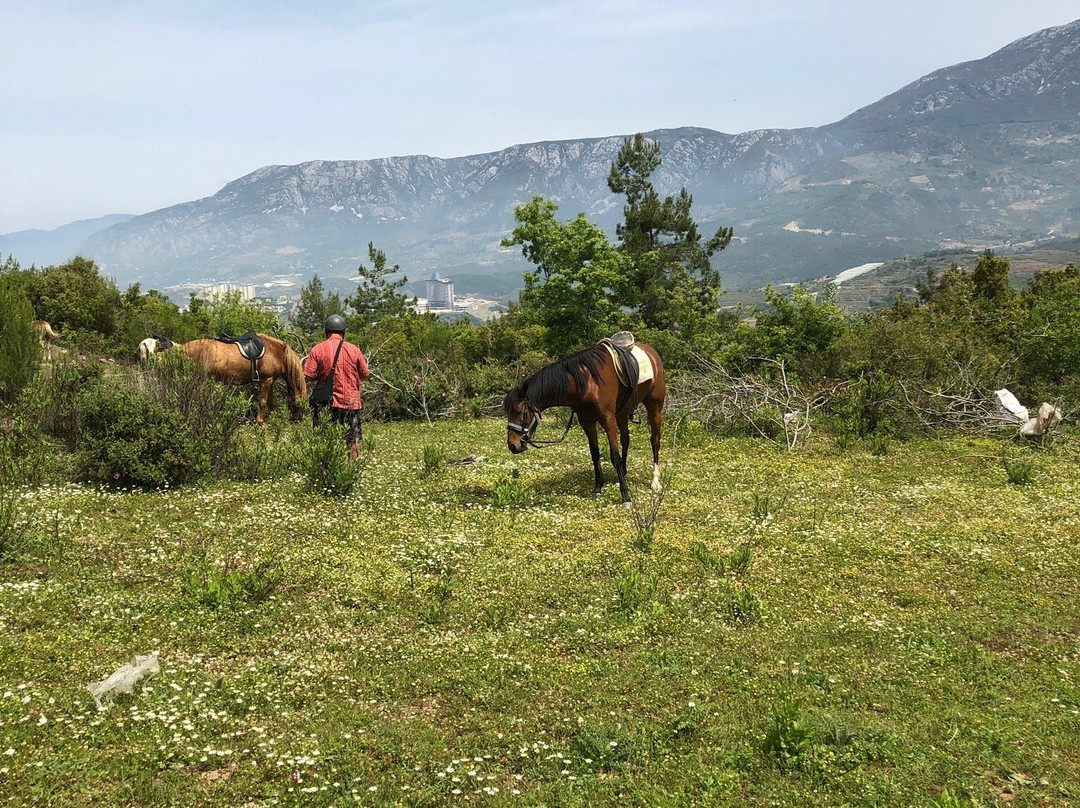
[[527, 432]]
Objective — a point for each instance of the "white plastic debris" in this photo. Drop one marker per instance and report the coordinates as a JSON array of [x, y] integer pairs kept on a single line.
[[1009, 408], [123, 679], [1049, 416]]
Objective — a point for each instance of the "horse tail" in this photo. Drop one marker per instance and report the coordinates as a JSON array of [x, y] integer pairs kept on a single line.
[[45, 330]]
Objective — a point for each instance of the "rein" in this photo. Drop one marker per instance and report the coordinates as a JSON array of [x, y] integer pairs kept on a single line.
[[527, 432]]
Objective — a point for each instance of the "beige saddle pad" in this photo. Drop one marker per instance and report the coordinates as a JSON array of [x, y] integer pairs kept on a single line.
[[645, 368]]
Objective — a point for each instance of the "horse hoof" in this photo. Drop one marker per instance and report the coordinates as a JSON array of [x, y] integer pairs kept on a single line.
[[627, 504]]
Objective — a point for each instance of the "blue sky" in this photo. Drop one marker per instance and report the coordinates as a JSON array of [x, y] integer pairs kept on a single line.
[[127, 107]]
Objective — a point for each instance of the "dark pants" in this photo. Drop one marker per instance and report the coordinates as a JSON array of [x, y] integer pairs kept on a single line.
[[350, 418]]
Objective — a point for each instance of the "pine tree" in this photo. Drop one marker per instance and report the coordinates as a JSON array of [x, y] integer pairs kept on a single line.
[[377, 298], [314, 307], [676, 286]]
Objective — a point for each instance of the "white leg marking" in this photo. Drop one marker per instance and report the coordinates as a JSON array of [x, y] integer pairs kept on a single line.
[[655, 476]]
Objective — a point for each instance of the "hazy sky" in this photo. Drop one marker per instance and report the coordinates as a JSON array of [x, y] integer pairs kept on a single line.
[[118, 106]]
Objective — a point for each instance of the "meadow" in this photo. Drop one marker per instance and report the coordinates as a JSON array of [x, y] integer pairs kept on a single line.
[[817, 627]]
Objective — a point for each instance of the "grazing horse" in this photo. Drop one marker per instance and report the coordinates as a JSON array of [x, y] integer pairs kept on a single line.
[[147, 348], [224, 362], [44, 331], [587, 382]]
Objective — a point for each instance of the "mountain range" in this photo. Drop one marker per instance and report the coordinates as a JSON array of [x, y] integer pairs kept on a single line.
[[980, 154]]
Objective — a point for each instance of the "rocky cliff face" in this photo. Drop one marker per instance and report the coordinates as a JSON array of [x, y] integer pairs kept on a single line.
[[979, 154]]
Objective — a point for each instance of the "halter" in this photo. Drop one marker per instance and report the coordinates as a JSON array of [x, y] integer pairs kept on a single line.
[[527, 432]]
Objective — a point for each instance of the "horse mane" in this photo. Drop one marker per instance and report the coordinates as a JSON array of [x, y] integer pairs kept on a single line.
[[552, 382]]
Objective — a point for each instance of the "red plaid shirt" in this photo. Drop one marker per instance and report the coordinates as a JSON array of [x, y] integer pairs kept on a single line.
[[352, 368]]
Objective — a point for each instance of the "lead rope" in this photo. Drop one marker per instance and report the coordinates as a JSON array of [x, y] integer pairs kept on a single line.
[[545, 443]]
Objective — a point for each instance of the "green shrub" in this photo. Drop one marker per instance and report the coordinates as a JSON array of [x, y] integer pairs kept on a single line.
[[20, 352], [129, 439], [212, 413], [788, 740], [437, 609], [13, 522], [509, 493], [218, 587], [603, 746], [50, 402], [1018, 472], [636, 592], [434, 460], [324, 462], [872, 407], [263, 454], [740, 559], [742, 607], [706, 559]]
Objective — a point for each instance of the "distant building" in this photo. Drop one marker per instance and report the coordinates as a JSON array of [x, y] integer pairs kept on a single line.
[[440, 293], [247, 291]]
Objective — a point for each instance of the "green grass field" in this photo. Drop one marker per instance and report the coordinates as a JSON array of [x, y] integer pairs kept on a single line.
[[810, 628]]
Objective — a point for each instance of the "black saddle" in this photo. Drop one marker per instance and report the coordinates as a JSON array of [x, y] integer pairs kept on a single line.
[[630, 368], [251, 347]]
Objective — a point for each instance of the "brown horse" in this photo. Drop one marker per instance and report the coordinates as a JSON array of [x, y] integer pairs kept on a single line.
[[223, 362], [44, 331], [587, 383]]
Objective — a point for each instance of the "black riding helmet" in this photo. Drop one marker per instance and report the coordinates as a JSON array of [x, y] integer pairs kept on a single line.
[[335, 322]]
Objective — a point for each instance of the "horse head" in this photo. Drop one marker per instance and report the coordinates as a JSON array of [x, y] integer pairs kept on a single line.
[[522, 419]]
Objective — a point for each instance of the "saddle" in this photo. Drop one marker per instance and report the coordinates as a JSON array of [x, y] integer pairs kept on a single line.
[[628, 363], [251, 347]]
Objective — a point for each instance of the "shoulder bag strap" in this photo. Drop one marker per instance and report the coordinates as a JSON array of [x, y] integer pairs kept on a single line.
[[337, 353]]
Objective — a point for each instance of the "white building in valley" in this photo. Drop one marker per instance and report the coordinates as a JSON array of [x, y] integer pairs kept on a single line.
[[440, 293], [218, 290]]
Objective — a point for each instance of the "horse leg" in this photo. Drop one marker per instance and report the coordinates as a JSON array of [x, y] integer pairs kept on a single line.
[[616, 458], [594, 450], [266, 388], [655, 417], [624, 435]]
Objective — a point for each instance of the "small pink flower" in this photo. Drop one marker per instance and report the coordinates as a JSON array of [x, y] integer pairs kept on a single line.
[[416, 378], [116, 475]]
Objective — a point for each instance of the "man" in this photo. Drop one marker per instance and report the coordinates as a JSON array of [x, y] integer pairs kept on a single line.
[[351, 369]]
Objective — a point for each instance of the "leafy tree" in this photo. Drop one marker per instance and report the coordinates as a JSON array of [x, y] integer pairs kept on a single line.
[[990, 280], [676, 285], [579, 281], [1049, 345], [376, 297], [314, 307], [77, 301], [230, 314], [800, 331], [149, 314], [20, 352]]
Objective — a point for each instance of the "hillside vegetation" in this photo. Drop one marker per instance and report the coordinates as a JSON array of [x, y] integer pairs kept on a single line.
[[859, 586], [810, 628]]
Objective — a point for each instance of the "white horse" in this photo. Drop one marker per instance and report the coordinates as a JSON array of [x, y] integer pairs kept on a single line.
[[150, 346], [147, 348]]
